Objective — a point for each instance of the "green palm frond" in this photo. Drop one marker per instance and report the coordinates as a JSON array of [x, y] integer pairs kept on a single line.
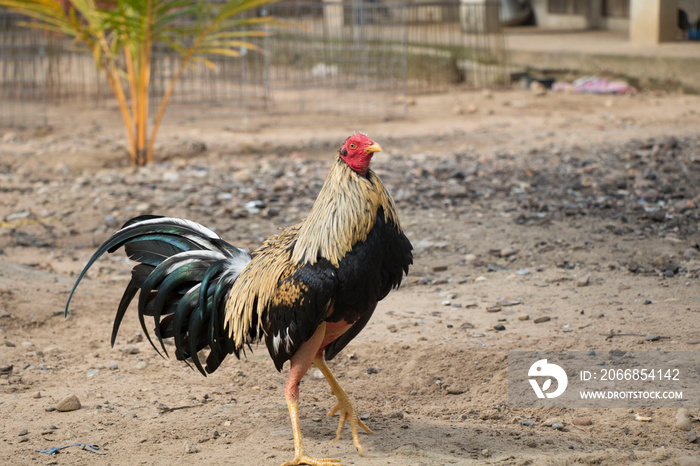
[[120, 35]]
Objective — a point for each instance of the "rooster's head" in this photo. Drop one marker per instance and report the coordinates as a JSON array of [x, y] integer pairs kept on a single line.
[[357, 152]]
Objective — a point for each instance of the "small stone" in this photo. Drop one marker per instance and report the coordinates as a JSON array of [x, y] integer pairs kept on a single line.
[[591, 352], [651, 337], [4, 313], [499, 327], [683, 421], [113, 367], [509, 303], [542, 319], [130, 350], [396, 415], [693, 342], [317, 374], [69, 403], [581, 421], [372, 370], [583, 281], [137, 338], [191, 448], [493, 309], [531, 444], [641, 418], [523, 317], [93, 373], [528, 423], [111, 221], [691, 436], [37, 395], [439, 268], [454, 390], [28, 344], [23, 432], [523, 272], [141, 365], [557, 426]]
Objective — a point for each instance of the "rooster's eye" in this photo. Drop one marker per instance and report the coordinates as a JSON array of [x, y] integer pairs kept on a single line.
[[353, 145]]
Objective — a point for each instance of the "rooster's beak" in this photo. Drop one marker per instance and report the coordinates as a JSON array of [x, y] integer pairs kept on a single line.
[[374, 147]]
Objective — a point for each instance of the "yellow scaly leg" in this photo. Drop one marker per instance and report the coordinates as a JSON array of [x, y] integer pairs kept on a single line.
[[345, 406], [300, 363]]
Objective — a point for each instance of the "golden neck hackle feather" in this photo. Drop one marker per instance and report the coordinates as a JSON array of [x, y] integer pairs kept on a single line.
[[343, 215]]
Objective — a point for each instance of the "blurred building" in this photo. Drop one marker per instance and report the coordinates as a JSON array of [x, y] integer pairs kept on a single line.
[[646, 21]]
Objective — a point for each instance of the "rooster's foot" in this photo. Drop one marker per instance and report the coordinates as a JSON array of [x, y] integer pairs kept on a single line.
[[348, 413], [303, 459]]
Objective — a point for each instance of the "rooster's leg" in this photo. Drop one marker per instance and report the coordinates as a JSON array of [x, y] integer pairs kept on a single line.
[[300, 363], [345, 406]]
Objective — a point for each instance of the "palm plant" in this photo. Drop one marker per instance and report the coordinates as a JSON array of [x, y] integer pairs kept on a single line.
[[121, 34]]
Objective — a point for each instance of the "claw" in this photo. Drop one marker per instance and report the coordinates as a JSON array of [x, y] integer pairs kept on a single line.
[[348, 413]]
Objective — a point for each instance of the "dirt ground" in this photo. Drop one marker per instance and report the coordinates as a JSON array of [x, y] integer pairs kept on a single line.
[[580, 208]]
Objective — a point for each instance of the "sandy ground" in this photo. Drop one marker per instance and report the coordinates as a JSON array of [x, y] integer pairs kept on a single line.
[[436, 389]]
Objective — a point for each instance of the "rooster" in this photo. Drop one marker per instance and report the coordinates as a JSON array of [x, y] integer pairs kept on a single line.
[[307, 291]]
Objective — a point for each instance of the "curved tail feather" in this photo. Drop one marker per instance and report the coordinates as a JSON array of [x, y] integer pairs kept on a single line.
[[183, 279]]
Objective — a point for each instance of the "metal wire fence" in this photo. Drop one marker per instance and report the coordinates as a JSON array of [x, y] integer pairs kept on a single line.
[[337, 56]]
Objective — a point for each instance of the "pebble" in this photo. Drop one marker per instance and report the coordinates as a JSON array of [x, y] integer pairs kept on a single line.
[[683, 421], [499, 327], [23, 432], [557, 426], [528, 423], [141, 365], [317, 374], [191, 448], [397, 415], [523, 272], [581, 421], [93, 373], [652, 337], [372, 370], [542, 319], [493, 309], [531, 444], [523, 317], [583, 281], [691, 436], [130, 350], [69, 403], [591, 352], [509, 303], [454, 391]]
